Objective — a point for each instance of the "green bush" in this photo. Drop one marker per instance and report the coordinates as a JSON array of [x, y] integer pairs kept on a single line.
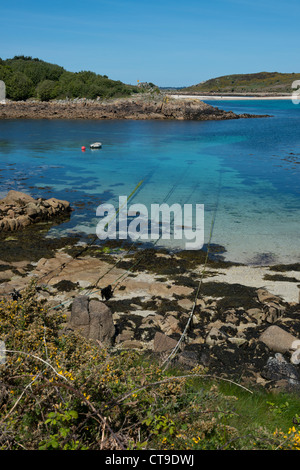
[[19, 87], [61, 392], [26, 77], [35, 69], [46, 90]]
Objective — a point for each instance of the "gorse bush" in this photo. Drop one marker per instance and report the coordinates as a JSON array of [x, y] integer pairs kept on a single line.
[[26, 77], [59, 391]]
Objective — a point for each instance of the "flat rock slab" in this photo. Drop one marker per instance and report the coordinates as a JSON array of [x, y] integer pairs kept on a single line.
[[163, 343]]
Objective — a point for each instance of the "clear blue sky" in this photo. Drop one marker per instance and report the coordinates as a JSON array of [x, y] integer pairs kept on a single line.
[[169, 43]]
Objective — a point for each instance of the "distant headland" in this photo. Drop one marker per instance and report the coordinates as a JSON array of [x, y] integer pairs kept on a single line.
[[36, 89], [260, 84]]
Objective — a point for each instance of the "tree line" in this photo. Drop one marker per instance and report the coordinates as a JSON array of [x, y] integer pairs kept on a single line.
[[27, 77]]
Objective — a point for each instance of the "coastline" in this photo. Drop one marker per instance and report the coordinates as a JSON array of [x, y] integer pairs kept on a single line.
[[20, 262], [154, 296], [24, 224], [231, 97], [135, 108]]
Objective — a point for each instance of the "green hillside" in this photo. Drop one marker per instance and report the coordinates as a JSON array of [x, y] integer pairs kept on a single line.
[[263, 82], [26, 77]]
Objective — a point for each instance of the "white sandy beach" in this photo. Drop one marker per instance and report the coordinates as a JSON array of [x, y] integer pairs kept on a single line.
[[226, 97], [252, 276]]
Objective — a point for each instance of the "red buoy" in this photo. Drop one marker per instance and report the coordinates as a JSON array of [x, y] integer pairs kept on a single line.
[[83, 148]]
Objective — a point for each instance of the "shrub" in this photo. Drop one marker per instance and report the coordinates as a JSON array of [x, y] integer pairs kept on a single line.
[[19, 86], [46, 90], [26, 77], [59, 391]]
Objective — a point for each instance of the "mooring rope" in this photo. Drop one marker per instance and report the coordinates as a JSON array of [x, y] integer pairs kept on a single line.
[[182, 337], [144, 252], [135, 241], [87, 246], [62, 266], [153, 244]]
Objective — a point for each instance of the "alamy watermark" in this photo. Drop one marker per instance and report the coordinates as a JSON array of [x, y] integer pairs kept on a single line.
[[160, 222], [296, 93], [2, 353], [2, 92]]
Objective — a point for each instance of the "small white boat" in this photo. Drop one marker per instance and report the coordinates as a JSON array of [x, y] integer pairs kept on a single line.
[[96, 145]]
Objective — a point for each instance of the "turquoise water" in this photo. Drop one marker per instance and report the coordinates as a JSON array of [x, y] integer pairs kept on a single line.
[[246, 170]]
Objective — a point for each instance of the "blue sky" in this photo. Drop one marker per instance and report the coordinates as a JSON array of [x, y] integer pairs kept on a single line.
[[169, 43]]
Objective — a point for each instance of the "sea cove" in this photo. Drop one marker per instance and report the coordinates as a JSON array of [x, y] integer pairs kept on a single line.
[[245, 172], [149, 228]]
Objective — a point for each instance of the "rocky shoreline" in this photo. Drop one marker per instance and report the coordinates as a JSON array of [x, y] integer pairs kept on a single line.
[[136, 108], [18, 210], [236, 328], [237, 331]]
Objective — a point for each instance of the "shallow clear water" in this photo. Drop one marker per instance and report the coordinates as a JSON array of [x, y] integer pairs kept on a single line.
[[247, 170]]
